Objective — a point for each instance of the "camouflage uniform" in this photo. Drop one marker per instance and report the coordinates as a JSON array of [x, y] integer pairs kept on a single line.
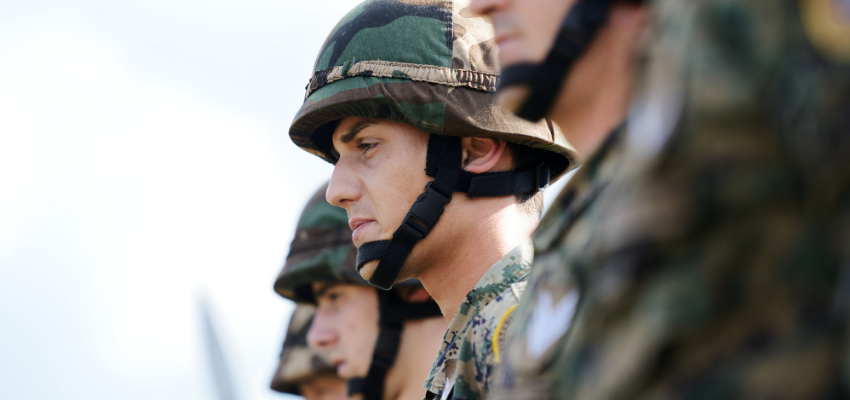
[[558, 241], [298, 362], [707, 270], [465, 362]]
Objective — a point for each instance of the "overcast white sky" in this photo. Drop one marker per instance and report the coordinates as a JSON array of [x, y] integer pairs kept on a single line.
[[144, 165]]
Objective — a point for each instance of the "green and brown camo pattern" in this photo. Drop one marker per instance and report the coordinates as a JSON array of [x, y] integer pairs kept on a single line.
[[298, 362], [321, 251], [560, 242], [466, 360], [429, 63], [719, 268]]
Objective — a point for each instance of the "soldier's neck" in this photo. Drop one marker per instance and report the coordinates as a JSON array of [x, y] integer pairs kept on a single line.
[[420, 340], [493, 228], [594, 99]]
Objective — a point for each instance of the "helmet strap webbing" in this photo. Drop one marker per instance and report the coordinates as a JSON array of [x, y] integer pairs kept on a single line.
[[393, 313], [544, 80], [444, 163]]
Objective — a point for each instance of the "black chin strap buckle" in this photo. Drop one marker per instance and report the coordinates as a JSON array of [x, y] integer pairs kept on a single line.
[[542, 175], [426, 211]]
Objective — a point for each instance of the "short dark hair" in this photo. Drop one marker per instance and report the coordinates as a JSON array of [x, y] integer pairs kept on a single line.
[[525, 156]]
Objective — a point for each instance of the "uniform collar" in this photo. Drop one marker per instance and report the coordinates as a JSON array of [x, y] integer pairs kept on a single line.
[[510, 269]]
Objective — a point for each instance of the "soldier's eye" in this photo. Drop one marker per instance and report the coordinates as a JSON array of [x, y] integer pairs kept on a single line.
[[333, 296], [366, 146]]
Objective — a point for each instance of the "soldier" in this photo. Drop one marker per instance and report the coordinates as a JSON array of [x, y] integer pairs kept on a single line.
[[303, 371], [401, 102], [577, 71], [380, 342], [708, 266]]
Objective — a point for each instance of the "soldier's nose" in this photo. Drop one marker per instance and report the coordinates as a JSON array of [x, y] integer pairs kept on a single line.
[[342, 188], [485, 7], [321, 334]]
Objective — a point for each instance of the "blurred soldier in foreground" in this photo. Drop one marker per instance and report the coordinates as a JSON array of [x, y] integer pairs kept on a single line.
[[584, 85], [440, 184], [708, 266], [302, 370], [380, 342]]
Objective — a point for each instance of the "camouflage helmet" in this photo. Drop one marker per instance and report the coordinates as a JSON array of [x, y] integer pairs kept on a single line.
[[428, 63], [298, 362], [321, 251]]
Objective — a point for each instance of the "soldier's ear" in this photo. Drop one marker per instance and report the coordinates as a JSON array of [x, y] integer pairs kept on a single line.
[[481, 154]]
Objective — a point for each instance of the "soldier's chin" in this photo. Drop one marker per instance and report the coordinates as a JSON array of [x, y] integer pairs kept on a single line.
[[368, 269]]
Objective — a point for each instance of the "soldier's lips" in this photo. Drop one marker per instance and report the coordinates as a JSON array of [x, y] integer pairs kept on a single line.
[[503, 38], [512, 50], [355, 223], [358, 226]]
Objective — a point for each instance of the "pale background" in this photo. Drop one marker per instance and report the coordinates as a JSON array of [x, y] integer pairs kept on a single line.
[[145, 167]]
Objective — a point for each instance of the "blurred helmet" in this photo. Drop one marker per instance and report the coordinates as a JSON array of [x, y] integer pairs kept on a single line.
[[298, 362], [322, 251]]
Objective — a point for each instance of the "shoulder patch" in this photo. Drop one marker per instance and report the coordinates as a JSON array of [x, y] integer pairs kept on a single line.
[[499, 333], [550, 320]]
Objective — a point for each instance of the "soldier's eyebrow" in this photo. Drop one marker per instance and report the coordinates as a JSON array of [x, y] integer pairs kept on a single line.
[[349, 136], [323, 288]]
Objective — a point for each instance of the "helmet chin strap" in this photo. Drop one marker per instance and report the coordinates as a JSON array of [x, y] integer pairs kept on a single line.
[[543, 81], [394, 312], [443, 162]]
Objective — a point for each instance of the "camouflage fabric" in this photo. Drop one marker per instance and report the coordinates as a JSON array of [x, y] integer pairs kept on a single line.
[[298, 362], [322, 251], [710, 271], [543, 317], [429, 63], [466, 359]]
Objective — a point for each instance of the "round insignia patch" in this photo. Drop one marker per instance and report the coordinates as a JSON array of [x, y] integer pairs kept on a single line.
[[501, 332], [827, 24]]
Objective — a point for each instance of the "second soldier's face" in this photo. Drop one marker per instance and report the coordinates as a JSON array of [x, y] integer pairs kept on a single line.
[[346, 325], [525, 29]]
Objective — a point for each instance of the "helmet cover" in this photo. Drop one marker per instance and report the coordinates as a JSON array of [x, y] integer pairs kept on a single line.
[[429, 63]]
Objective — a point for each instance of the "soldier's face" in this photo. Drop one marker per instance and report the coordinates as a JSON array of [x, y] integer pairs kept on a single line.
[[594, 98], [379, 175], [324, 388], [346, 325], [525, 29]]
